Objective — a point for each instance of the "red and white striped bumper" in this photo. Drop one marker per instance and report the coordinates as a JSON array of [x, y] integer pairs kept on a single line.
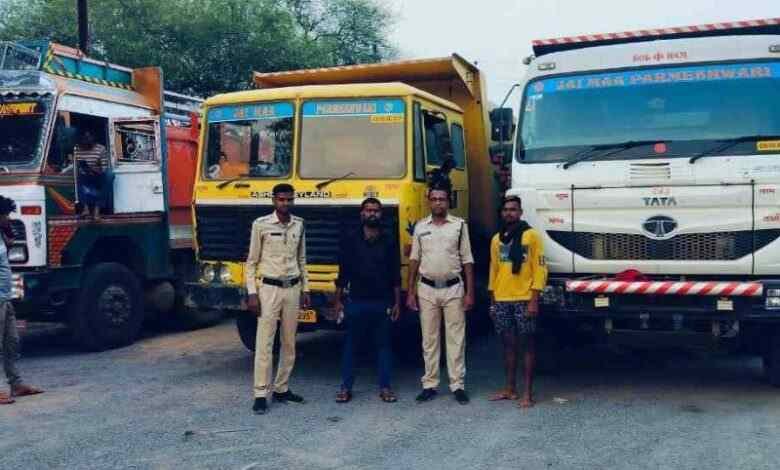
[[730, 289]]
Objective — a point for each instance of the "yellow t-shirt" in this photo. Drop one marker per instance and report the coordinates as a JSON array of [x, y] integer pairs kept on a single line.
[[509, 287]]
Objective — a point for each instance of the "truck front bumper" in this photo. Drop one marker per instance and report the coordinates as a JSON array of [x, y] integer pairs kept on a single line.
[[214, 296], [744, 300], [232, 297], [30, 292]]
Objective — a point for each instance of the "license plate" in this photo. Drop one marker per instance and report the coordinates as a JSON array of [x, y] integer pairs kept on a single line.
[[307, 316]]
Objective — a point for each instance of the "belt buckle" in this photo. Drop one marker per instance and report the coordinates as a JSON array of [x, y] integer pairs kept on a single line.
[[286, 283], [439, 284]]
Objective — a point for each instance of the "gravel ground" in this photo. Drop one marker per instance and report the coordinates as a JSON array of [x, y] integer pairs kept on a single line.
[[182, 400]]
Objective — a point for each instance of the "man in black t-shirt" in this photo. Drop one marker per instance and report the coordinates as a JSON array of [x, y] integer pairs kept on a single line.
[[369, 267]]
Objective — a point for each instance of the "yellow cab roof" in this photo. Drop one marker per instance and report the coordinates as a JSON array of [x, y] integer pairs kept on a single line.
[[359, 90]]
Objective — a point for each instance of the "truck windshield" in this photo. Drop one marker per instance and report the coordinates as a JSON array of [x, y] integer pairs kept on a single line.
[[684, 111], [22, 123], [249, 141], [362, 137]]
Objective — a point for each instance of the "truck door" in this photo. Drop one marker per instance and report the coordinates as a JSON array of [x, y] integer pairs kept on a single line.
[[683, 230], [440, 145], [137, 164]]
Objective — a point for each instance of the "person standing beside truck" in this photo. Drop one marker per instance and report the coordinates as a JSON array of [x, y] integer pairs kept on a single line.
[[9, 336], [517, 276], [441, 252], [276, 282], [370, 266]]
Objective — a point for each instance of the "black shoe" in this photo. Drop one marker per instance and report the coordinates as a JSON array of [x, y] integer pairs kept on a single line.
[[426, 395], [261, 406], [461, 396], [287, 396]]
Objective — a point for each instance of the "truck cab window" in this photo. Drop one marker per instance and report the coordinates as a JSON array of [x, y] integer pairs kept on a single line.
[[59, 160], [458, 146], [437, 139], [253, 141], [135, 143]]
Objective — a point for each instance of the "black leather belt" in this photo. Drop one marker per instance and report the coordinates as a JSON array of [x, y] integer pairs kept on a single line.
[[439, 284], [283, 283]]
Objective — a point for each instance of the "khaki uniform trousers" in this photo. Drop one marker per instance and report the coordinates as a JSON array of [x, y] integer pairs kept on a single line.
[[431, 312], [276, 303]]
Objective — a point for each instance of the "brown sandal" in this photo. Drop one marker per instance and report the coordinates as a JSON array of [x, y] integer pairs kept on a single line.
[[343, 396], [388, 396], [24, 391], [5, 399]]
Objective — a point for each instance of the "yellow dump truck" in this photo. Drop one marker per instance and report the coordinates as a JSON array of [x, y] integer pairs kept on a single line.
[[338, 135]]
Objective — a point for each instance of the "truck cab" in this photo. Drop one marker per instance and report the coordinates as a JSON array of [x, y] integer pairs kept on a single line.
[[649, 162], [338, 136], [89, 272]]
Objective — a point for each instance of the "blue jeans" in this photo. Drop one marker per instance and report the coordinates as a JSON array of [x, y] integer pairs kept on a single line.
[[363, 318], [98, 195]]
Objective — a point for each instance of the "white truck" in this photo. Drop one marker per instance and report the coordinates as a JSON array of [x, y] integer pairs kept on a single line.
[[650, 161]]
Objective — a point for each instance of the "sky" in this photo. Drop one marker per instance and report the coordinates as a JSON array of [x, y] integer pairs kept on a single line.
[[497, 34]]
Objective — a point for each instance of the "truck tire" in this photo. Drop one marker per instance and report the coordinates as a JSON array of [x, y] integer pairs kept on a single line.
[[109, 309], [247, 329], [246, 324]]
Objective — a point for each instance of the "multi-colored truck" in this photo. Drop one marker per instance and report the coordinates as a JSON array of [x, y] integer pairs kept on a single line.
[[338, 135], [99, 276]]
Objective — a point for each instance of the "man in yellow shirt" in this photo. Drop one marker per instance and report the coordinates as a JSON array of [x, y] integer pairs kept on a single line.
[[517, 276]]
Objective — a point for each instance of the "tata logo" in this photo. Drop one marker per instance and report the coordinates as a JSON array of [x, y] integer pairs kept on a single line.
[[660, 201], [659, 226]]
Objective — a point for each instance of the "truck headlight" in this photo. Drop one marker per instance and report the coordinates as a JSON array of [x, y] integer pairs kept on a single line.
[[224, 275], [207, 273], [18, 254]]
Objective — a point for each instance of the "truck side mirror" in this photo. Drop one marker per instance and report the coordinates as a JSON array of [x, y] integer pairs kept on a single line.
[[502, 124]]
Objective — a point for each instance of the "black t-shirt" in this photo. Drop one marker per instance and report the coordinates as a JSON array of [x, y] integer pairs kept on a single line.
[[371, 268]]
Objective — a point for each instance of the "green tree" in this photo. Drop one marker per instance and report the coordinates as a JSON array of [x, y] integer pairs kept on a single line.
[[211, 46]]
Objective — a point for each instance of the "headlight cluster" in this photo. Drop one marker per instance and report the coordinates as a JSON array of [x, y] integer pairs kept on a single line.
[[773, 299], [215, 273], [18, 254]]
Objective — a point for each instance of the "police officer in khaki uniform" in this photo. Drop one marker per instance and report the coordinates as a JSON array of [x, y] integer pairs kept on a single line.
[[275, 277], [441, 251]]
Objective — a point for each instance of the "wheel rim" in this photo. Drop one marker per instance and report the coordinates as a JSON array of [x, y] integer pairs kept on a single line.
[[114, 304]]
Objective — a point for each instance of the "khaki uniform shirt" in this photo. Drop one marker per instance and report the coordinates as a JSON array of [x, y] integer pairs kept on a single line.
[[441, 250], [277, 251]]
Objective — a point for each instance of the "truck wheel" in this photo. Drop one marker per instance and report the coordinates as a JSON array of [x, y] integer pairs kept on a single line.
[[109, 309], [247, 329], [246, 324]]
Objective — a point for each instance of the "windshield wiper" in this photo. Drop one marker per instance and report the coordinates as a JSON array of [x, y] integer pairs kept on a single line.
[[327, 182], [231, 180], [727, 144], [592, 151]]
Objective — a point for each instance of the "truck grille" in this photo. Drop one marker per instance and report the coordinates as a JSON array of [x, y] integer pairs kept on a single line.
[[723, 246], [224, 231]]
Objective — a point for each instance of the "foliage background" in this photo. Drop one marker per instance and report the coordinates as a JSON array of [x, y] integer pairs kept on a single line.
[[211, 46]]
